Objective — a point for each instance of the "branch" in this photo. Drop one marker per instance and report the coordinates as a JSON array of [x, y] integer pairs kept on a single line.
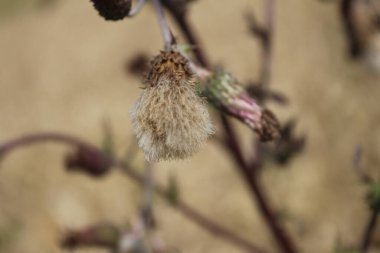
[[370, 228], [282, 239], [165, 29], [147, 206], [266, 57], [250, 176], [181, 206]]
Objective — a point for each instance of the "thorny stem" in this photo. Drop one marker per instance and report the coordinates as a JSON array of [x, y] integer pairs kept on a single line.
[[370, 228], [185, 209], [282, 238], [164, 26]]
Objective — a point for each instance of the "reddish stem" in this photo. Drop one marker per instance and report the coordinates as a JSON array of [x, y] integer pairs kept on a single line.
[[283, 240], [181, 206]]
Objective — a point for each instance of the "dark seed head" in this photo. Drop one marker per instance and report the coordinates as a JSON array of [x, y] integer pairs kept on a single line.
[[113, 9]]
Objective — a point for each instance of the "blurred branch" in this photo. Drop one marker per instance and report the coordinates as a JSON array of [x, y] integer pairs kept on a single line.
[[358, 167], [250, 176], [181, 206], [147, 207], [232, 143], [265, 34], [266, 58], [370, 228]]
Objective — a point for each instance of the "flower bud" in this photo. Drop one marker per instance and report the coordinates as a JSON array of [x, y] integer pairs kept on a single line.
[[169, 119], [224, 92], [113, 9]]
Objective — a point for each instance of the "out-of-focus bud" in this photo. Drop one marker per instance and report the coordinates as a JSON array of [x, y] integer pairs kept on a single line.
[[224, 91], [285, 147], [102, 235], [113, 9], [88, 160], [138, 65]]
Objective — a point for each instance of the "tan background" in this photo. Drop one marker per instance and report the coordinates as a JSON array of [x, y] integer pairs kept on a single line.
[[63, 68]]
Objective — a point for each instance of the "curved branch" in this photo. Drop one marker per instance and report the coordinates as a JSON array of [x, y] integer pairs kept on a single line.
[[182, 207]]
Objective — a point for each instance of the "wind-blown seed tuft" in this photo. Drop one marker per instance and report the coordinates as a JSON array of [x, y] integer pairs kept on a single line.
[[169, 119]]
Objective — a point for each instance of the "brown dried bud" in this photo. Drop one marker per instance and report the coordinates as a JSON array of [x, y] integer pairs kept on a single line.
[[169, 119], [113, 9], [101, 235], [269, 126]]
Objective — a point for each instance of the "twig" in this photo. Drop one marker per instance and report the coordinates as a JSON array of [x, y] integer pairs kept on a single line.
[[165, 29], [370, 228], [250, 176], [266, 56], [137, 8], [147, 208], [181, 206]]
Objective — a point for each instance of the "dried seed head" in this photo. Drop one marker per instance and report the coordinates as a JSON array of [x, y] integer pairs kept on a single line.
[[169, 119], [113, 9]]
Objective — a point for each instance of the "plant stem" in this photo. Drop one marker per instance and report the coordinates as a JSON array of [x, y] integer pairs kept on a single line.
[[250, 176], [283, 240], [181, 206], [180, 18], [266, 55], [137, 8], [147, 207], [164, 26]]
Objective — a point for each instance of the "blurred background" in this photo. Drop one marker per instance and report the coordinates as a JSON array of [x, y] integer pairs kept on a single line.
[[63, 68]]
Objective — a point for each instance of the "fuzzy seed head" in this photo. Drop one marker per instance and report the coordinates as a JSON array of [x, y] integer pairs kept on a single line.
[[169, 119]]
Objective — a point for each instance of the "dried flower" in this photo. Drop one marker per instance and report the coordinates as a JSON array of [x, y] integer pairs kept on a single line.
[[113, 9], [169, 119], [224, 92]]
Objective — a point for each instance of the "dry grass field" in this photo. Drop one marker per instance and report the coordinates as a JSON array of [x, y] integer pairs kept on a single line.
[[62, 68]]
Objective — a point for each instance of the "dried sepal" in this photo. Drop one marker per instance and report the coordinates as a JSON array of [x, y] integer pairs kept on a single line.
[[169, 119]]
